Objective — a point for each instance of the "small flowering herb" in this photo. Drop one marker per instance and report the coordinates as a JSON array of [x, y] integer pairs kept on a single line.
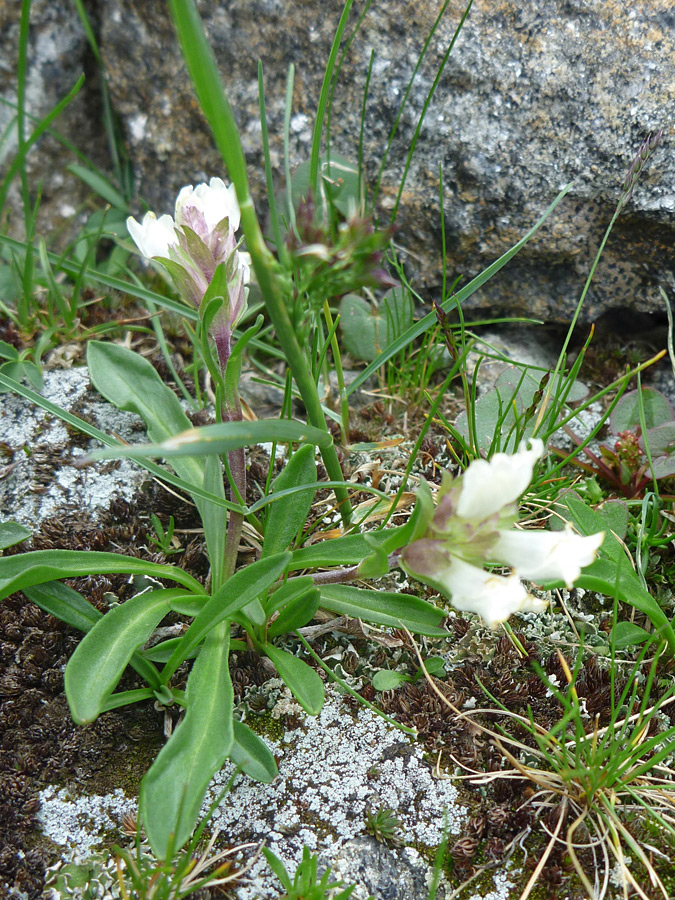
[[192, 245], [473, 525]]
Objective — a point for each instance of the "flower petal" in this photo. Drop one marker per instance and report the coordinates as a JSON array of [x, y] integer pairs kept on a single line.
[[153, 236], [490, 485], [493, 597], [215, 201], [543, 556]]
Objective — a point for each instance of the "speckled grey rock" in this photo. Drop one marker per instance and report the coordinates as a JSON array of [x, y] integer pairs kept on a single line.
[[58, 54], [39, 475], [534, 96], [332, 768], [386, 875]]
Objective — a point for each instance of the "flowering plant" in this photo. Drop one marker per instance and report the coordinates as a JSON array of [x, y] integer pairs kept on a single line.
[[192, 245], [473, 525]]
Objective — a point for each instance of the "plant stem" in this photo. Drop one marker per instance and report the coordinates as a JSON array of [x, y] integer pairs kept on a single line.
[[211, 95], [231, 412]]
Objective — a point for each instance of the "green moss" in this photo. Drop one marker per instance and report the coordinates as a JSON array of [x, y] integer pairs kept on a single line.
[[265, 725]]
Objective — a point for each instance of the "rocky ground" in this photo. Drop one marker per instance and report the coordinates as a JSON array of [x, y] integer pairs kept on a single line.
[[336, 772]]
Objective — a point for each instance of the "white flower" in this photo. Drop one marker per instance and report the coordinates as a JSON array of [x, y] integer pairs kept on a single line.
[[494, 597], [547, 555], [472, 526], [490, 485], [153, 236], [201, 238], [214, 202]]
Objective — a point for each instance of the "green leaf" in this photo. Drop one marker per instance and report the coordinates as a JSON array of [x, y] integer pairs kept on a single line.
[[366, 330], [21, 370], [100, 185], [626, 413], [625, 634], [213, 520], [129, 382], [26, 569], [12, 533], [384, 608], [343, 551], [434, 666], [377, 564], [238, 591], [8, 351], [65, 604], [588, 522], [296, 613], [386, 680], [173, 789], [339, 182], [286, 593], [661, 440], [104, 652], [252, 754], [278, 868], [126, 698], [161, 653], [221, 438], [302, 680], [286, 517]]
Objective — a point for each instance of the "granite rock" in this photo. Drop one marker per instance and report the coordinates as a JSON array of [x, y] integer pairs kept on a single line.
[[58, 54], [534, 96]]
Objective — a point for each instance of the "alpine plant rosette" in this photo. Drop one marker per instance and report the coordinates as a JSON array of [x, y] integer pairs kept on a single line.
[[473, 525]]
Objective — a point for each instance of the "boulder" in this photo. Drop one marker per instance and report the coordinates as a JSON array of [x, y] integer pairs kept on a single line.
[[58, 54], [533, 96]]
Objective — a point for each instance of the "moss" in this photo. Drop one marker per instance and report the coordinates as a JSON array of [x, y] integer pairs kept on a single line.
[[265, 725]]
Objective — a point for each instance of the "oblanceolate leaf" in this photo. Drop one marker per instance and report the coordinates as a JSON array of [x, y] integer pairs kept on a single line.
[[65, 604], [296, 613], [301, 679], [252, 754], [626, 634], [130, 382], [12, 533], [242, 588], [287, 516], [104, 652], [384, 608], [221, 438], [26, 569], [388, 680], [173, 789], [342, 551]]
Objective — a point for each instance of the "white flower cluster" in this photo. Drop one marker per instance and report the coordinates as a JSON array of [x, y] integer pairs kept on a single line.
[[472, 525], [199, 237]]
